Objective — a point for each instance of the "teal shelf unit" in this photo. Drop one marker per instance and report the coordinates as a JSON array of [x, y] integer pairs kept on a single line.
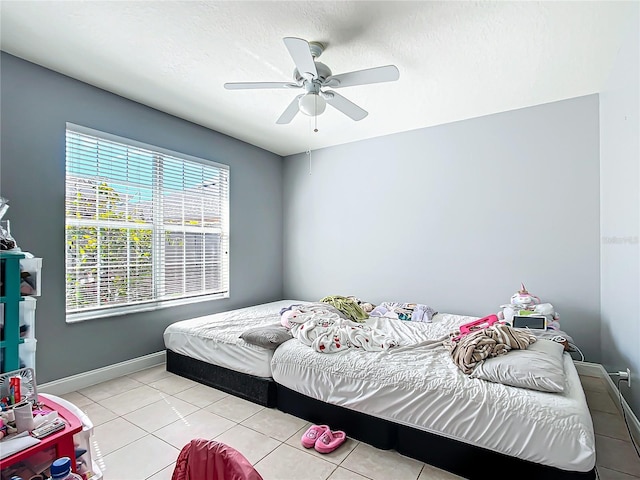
[[10, 298]]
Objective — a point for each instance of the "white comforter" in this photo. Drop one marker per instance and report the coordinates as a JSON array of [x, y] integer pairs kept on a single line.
[[216, 338], [417, 384]]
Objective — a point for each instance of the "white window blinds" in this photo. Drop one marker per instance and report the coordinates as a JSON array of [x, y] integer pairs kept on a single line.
[[143, 225]]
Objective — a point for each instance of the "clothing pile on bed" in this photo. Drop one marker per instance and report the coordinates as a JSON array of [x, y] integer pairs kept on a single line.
[[326, 329], [335, 324], [499, 353], [498, 339], [359, 310], [414, 312], [354, 308]]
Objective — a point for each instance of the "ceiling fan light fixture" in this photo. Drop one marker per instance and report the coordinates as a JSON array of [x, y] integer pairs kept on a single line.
[[312, 104], [312, 76]]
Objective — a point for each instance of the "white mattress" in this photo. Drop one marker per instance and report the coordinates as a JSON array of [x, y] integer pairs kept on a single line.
[[216, 338], [422, 388]]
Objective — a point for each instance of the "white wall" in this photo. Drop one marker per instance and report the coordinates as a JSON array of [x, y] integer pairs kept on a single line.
[[455, 216], [620, 212]]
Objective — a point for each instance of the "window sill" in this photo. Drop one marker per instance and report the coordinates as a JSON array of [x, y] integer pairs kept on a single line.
[[145, 307]]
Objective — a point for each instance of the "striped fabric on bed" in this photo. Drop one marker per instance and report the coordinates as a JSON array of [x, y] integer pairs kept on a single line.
[[495, 340]]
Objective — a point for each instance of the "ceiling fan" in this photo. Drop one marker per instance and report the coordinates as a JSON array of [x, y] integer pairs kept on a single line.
[[313, 77]]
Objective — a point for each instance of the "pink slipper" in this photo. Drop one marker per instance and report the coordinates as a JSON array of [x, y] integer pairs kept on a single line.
[[329, 441], [312, 434]]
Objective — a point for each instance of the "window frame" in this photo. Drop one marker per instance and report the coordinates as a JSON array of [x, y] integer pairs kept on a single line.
[[154, 304]]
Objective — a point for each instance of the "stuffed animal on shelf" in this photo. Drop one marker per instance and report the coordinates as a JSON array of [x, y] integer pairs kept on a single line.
[[524, 303]]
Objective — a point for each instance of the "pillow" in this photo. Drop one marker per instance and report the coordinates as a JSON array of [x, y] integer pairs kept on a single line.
[[539, 367], [267, 336]]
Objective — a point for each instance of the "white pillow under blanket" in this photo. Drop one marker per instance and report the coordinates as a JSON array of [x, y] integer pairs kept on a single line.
[[539, 367]]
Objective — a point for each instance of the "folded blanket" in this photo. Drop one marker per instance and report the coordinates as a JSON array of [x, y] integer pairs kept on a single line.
[[495, 340], [347, 305]]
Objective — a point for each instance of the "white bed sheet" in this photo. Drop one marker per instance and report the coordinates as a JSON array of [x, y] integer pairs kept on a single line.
[[216, 338], [422, 388]]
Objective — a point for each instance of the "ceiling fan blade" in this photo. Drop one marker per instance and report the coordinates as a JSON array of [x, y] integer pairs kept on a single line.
[[301, 55], [290, 112], [347, 107], [254, 85], [388, 73]]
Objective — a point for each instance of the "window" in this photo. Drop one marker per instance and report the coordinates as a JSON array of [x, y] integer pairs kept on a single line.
[[145, 227]]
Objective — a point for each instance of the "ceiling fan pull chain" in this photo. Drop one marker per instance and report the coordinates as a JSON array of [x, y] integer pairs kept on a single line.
[[309, 149]]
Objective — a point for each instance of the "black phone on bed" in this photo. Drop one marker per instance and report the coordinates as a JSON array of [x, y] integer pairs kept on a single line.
[[530, 321]]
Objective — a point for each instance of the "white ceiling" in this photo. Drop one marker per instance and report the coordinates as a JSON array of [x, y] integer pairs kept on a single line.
[[457, 60]]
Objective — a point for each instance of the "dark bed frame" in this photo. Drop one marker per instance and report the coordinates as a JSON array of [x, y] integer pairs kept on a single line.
[[255, 389], [466, 460]]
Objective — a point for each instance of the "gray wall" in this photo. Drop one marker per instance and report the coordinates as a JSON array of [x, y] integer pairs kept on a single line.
[[36, 104], [455, 216], [620, 213]]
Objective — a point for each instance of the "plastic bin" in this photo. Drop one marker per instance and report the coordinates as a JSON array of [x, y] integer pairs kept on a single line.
[[27, 352], [32, 465], [86, 466], [32, 284], [28, 318]]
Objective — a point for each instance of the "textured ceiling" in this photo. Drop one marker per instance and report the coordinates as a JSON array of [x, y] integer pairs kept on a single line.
[[456, 59]]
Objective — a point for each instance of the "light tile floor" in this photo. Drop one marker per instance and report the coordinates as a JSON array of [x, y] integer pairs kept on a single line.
[[616, 458], [144, 419]]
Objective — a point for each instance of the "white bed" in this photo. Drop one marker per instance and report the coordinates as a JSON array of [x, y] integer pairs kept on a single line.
[[215, 339], [422, 388]]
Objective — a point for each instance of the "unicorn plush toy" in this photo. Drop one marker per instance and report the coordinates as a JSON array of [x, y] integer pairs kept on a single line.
[[524, 303]]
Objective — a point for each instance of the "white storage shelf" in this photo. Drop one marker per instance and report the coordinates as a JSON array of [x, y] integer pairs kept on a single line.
[[86, 465], [28, 353], [27, 350], [28, 318], [33, 285]]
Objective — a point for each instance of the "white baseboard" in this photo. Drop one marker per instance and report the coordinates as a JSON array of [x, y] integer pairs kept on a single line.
[[92, 377], [597, 370]]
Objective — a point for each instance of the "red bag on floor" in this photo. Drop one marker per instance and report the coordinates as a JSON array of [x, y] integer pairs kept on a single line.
[[203, 459]]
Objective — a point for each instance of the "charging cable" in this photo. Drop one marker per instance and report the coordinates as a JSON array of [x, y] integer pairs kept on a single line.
[[624, 376], [574, 348]]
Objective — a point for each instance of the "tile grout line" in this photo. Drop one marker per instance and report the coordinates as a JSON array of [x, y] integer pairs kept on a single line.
[[126, 445], [618, 471], [348, 455], [335, 467], [115, 413], [614, 438], [269, 436], [357, 473], [179, 450]]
